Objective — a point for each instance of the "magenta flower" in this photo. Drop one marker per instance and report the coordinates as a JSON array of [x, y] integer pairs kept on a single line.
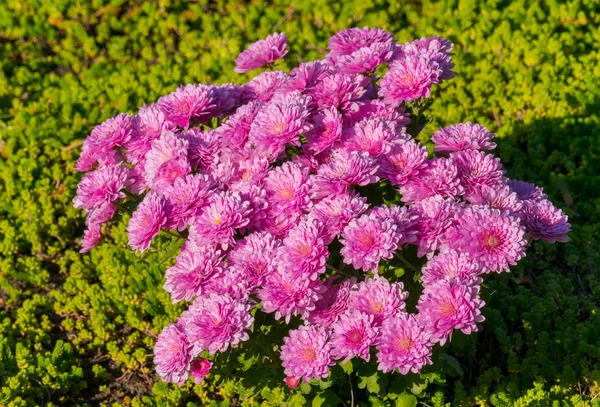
[[215, 322], [304, 250], [526, 191], [450, 304], [435, 216], [235, 130], [99, 147], [203, 147], [403, 345], [406, 221], [440, 177], [172, 355], [262, 52], [333, 303], [352, 39], [146, 127], [263, 87], [230, 282], [477, 169], [435, 49], [186, 197], [372, 136], [191, 272], [339, 90], [367, 240], [403, 162], [449, 265], [307, 75], [493, 238], [380, 298], [463, 136], [219, 221], [353, 335], [544, 221], [280, 223], [395, 116], [199, 369], [146, 221], [337, 211], [287, 188], [227, 98], [326, 131], [409, 78], [188, 104], [306, 353], [345, 169], [91, 237], [100, 187], [289, 293], [166, 161], [499, 197], [365, 59], [255, 257]]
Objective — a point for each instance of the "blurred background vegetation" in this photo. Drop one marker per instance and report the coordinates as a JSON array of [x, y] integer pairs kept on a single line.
[[79, 329]]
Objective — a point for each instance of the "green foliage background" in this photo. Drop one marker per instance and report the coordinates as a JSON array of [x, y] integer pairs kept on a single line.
[[79, 329]]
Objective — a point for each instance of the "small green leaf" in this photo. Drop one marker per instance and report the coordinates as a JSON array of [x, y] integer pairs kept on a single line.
[[326, 399], [452, 363], [406, 400], [348, 367]]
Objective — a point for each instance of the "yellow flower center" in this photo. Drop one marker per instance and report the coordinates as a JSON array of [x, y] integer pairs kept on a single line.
[[446, 309], [491, 242], [404, 343]]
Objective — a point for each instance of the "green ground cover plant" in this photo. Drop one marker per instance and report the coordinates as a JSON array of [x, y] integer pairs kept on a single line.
[[79, 329]]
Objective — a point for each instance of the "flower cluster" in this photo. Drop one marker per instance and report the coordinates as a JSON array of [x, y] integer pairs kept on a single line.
[[266, 184]]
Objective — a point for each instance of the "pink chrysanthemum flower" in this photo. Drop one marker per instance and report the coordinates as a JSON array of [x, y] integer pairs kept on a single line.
[[146, 127], [200, 369], [215, 322], [544, 221], [304, 250], [186, 197], [493, 238], [234, 132], [280, 223], [227, 98], [526, 191], [339, 90], [287, 294], [449, 265], [333, 303], [345, 169], [406, 221], [365, 59], [440, 177], [350, 40], [435, 215], [188, 104], [219, 220], [258, 208], [395, 116], [499, 197], [433, 48], [249, 173], [280, 123], [450, 304], [146, 221], [307, 75], [367, 240], [263, 87], [338, 210], [378, 297], [463, 136], [99, 147], [172, 356], [203, 147], [91, 237], [255, 257], [166, 161], [102, 186], [262, 52], [230, 282], [404, 161], [409, 78], [191, 272], [306, 353], [371, 136], [292, 382], [287, 188], [477, 169], [353, 334], [326, 131], [403, 345]]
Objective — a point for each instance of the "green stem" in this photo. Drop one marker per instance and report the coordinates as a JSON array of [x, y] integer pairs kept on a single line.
[[405, 262], [338, 270]]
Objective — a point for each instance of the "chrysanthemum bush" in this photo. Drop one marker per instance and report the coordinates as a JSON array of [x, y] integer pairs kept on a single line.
[[306, 207]]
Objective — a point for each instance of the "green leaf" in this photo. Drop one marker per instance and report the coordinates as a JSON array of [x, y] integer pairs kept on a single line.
[[406, 400], [326, 399], [452, 363], [348, 367]]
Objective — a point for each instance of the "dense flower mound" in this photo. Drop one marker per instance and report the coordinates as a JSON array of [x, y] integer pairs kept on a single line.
[[271, 186]]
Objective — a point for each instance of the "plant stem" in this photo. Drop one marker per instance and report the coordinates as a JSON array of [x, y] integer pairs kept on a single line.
[[168, 232], [405, 262], [330, 267]]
